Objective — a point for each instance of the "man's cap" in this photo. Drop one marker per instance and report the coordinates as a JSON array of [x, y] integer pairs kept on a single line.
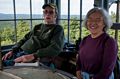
[[50, 5]]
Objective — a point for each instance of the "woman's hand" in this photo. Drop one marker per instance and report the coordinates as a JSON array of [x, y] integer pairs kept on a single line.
[[7, 55], [78, 74], [24, 58]]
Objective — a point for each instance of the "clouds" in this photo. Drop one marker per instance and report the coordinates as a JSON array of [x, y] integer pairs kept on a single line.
[[6, 6], [23, 6], [75, 6]]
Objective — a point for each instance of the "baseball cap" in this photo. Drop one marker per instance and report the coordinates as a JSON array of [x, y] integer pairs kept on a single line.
[[50, 5]]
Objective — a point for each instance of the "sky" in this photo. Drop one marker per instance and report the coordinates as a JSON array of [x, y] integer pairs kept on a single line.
[[22, 6]]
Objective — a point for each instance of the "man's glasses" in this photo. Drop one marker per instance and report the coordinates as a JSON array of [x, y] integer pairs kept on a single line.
[[48, 12]]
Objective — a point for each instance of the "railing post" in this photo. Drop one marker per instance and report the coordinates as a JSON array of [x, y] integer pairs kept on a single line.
[[1, 66]]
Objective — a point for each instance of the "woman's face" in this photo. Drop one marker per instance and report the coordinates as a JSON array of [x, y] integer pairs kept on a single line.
[[95, 23], [49, 15]]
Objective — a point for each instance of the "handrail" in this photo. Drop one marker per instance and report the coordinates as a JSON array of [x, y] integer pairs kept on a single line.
[[116, 26]]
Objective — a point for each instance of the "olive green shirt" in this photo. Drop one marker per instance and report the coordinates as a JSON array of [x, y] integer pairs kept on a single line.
[[44, 40]]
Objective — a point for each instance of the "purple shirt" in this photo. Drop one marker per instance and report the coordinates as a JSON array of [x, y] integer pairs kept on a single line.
[[97, 56]]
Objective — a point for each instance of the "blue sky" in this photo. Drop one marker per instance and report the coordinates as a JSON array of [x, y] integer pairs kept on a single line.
[[23, 6]]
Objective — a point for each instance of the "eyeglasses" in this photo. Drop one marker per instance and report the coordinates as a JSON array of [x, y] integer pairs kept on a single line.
[[95, 20], [48, 11]]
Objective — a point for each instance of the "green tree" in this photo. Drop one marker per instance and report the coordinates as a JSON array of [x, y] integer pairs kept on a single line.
[[74, 29], [22, 29], [8, 33], [7, 36]]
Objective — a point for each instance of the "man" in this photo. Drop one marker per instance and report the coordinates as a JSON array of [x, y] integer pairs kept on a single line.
[[46, 40]]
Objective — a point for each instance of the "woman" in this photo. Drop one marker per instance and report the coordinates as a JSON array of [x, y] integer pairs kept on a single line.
[[97, 51]]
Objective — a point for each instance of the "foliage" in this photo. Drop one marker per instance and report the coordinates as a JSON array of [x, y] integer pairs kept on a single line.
[[8, 33], [22, 29], [7, 36], [73, 29]]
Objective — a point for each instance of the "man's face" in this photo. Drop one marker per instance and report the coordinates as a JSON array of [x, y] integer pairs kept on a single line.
[[49, 15]]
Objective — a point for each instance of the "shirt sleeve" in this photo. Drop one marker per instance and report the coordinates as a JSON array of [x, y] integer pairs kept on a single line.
[[78, 64], [109, 59], [23, 40], [26, 37], [56, 44]]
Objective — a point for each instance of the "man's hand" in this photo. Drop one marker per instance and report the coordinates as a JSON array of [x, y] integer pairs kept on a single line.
[[24, 58], [7, 55]]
